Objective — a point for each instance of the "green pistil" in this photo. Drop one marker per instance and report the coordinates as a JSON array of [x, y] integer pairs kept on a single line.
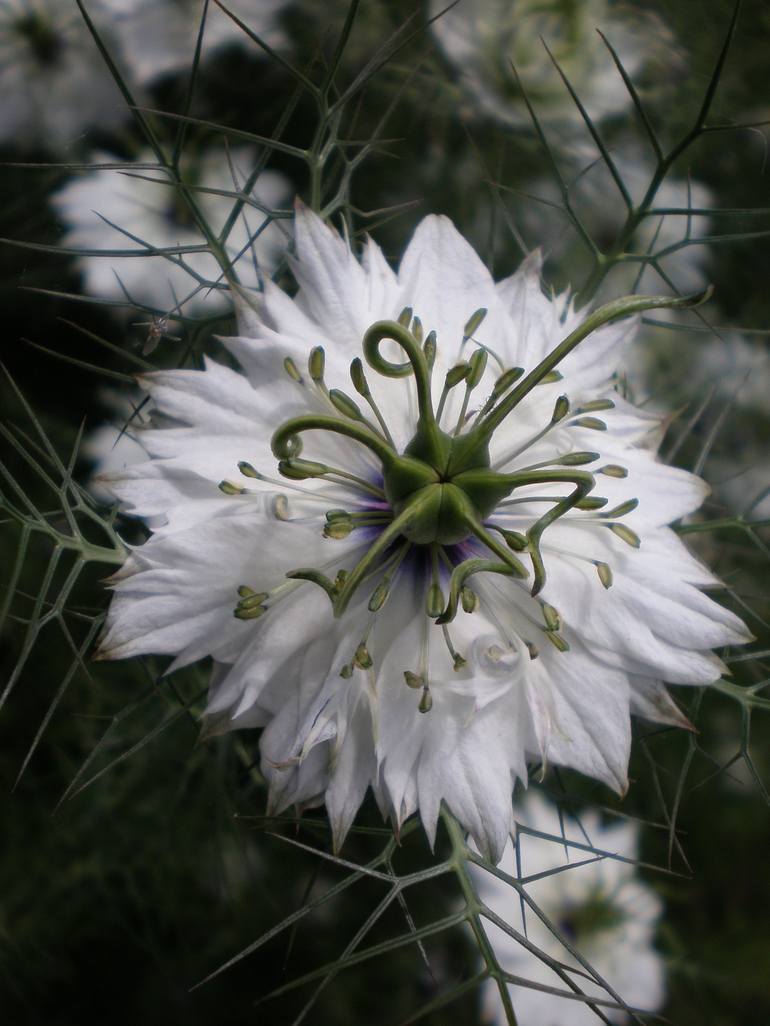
[[441, 490]]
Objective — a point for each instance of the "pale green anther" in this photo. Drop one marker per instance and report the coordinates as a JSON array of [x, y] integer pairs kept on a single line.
[[576, 459], [551, 617], [613, 470], [592, 502], [297, 469], [478, 364], [458, 662], [316, 364], [338, 529], [429, 349], [426, 701], [347, 671], [456, 374], [620, 511], [413, 680], [595, 405], [358, 377], [605, 574], [245, 591], [291, 369], [474, 322], [231, 489], [248, 612], [345, 405], [552, 377], [251, 601], [417, 329], [590, 422], [533, 650], [560, 410], [248, 471], [557, 641], [379, 596], [362, 657], [281, 507], [339, 580], [405, 317], [434, 601], [625, 534], [506, 379], [469, 600], [337, 514]]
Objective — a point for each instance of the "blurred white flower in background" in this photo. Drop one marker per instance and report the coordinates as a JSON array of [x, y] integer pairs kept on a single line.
[[152, 212], [160, 36], [53, 82], [601, 908], [482, 38], [598, 202]]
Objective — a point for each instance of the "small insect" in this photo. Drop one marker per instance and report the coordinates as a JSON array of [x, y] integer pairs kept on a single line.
[[157, 330]]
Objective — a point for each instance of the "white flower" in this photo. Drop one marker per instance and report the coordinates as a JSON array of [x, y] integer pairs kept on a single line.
[[483, 38], [601, 908], [116, 210], [52, 79], [361, 530], [160, 36]]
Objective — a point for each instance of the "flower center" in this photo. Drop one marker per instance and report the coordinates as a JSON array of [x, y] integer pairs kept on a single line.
[[441, 489], [438, 494]]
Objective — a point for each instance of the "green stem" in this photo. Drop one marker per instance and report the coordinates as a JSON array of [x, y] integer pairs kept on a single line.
[[285, 443]]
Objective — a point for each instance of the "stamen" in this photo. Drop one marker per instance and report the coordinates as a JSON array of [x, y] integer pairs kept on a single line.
[[231, 489], [605, 574], [474, 323], [477, 364], [434, 601], [589, 422], [469, 600], [551, 617], [454, 376], [297, 469], [595, 406], [251, 605], [361, 386], [625, 534], [413, 680], [426, 700], [362, 659], [291, 369], [557, 641], [613, 470], [248, 471], [458, 661], [316, 365], [281, 507], [620, 511]]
